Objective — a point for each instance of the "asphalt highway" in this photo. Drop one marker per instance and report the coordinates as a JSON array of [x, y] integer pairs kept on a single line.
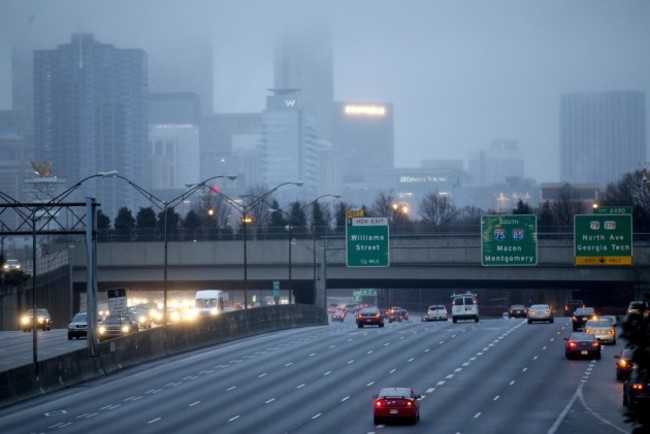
[[495, 376]]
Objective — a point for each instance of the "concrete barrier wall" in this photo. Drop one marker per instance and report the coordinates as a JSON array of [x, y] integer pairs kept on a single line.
[[115, 354]]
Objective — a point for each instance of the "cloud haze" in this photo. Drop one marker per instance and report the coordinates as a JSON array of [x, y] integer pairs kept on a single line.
[[459, 73]]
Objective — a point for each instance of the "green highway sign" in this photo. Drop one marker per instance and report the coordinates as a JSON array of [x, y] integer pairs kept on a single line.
[[508, 240], [603, 239], [613, 210], [366, 242], [276, 290]]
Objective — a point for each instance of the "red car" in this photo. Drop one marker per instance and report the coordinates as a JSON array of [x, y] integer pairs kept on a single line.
[[396, 403], [339, 315]]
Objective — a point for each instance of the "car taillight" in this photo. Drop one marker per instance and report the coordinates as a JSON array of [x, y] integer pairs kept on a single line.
[[378, 403], [611, 332], [595, 344], [622, 363], [572, 344], [377, 315], [588, 331], [637, 386], [409, 403]]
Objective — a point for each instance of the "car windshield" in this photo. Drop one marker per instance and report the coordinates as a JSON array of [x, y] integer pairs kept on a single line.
[[597, 323], [114, 320], [80, 317], [539, 307], [585, 311], [369, 311]]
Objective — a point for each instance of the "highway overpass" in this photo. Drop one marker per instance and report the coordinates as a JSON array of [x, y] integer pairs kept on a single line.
[[415, 262]]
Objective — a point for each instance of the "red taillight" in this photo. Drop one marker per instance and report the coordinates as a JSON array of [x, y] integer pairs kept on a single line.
[[595, 344], [637, 386], [377, 315], [611, 331], [378, 403], [572, 344], [409, 403]]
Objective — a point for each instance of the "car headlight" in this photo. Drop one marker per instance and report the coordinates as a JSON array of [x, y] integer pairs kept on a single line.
[[126, 328], [102, 330], [214, 311], [142, 319], [40, 319], [24, 320]]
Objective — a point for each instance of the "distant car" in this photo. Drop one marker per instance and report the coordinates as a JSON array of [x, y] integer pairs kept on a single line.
[[581, 316], [540, 312], [116, 325], [339, 315], [623, 364], [636, 389], [397, 314], [369, 316], [352, 308], [396, 403], [602, 329], [570, 306], [582, 345], [332, 307], [436, 312], [517, 311], [141, 314], [11, 264], [43, 320], [464, 306], [637, 308], [78, 326]]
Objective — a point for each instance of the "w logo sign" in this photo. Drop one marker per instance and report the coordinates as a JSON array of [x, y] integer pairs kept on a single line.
[[290, 102]]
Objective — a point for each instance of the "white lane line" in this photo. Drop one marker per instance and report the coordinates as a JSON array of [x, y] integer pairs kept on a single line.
[[449, 376], [234, 418], [440, 383], [300, 386], [369, 352], [495, 398], [511, 383], [327, 373], [231, 388], [262, 375], [194, 403], [155, 420], [268, 401], [392, 371], [316, 416], [430, 390], [411, 359], [524, 369], [288, 364], [345, 399], [312, 354], [477, 415], [370, 384], [350, 362]]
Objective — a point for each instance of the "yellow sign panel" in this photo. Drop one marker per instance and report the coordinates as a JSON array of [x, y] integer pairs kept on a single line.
[[354, 213], [603, 260]]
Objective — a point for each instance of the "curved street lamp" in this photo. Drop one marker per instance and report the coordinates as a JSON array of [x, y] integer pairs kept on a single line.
[[243, 210], [164, 206], [290, 228]]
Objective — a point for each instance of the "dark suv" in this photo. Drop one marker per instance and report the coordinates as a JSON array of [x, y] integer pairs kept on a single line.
[[581, 316], [570, 306]]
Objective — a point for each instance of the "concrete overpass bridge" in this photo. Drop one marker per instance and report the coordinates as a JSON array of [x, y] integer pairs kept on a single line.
[[443, 261]]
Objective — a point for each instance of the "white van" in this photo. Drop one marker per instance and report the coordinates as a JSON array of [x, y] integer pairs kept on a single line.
[[208, 302], [464, 306]]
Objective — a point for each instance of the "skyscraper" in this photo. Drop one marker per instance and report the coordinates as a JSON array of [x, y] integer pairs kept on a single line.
[[90, 113], [303, 61], [602, 136]]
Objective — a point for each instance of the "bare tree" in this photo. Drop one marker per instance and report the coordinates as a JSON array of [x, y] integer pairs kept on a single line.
[[438, 210], [567, 205]]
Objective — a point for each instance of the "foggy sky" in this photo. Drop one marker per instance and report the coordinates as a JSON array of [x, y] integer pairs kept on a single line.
[[460, 73]]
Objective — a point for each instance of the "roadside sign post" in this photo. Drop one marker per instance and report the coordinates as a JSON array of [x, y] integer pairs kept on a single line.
[[603, 239], [276, 291], [508, 240], [366, 242]]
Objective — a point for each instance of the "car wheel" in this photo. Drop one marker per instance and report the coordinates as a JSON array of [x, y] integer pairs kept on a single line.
[[530, 322], [476, 319], [69, 337], [454, 320], [551, 321]]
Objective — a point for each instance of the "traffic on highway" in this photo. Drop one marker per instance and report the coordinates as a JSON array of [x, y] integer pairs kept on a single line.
[[492, 376]]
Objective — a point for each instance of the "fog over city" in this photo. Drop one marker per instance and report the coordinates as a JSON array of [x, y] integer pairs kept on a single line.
[[458, 73]]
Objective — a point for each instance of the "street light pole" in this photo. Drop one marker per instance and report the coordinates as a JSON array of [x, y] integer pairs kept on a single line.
[[165, 206], [290, 228], [243, 210]]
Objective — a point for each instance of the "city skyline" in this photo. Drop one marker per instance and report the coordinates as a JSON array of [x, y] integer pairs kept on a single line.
[[457, 76]]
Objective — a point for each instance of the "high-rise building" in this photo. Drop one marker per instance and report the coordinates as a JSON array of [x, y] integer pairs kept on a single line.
[[503, 160], [174, 120], [90, 112], [602, 136], [362, 134], [290, 144], [303, 61]]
